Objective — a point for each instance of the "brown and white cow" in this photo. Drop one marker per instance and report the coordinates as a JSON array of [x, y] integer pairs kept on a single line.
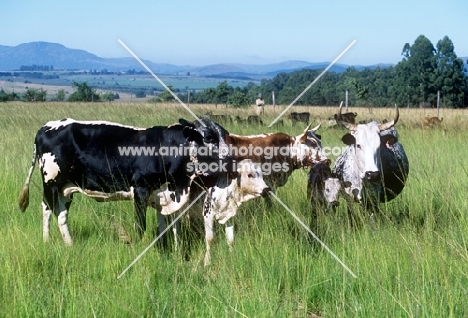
[[277, 154]]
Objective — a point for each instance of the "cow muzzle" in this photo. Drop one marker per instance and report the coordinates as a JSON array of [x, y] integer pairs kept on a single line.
[[372, 176], [266, 192]]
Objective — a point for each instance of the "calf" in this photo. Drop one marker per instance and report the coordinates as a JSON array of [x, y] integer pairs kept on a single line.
[[323, 188], [299, 117], [95, 158]]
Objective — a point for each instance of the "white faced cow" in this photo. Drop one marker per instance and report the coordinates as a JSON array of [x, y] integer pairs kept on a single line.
[[86, 157], [374, 162]]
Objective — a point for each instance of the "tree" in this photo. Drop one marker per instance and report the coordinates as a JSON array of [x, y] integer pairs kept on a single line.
[[418, 71], [84, 93], [166, 96], [7, 97], [450, 80], [35, 95], [108, 97], [238, 99], [222, 92], [60, 95]]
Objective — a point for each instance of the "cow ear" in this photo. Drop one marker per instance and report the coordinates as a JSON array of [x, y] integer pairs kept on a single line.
[[388, 140], [318, 136], [348, 139], [186, 123], [192, 135]]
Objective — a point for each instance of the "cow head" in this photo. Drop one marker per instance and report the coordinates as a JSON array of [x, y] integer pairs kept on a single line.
[[365, 141], [307, 148], [250, 181], [211, 148], [323, 187]]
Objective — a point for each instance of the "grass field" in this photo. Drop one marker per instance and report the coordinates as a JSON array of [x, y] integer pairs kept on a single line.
[[410, 260]]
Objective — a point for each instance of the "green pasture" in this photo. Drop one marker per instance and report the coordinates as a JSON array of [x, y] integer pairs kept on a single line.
[[411, 260]]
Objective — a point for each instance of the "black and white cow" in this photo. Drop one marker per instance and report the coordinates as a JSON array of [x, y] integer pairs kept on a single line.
[[374, 162], [88, 157], [323, 188], [221, 203]]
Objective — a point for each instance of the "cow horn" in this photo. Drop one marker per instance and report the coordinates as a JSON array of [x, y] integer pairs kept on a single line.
[[316, 128], [346, 124], [392, 123], [307, 128]]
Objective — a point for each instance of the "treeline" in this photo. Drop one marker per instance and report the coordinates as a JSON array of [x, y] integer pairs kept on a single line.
[[29, 74], [415, 81], [35, 68]]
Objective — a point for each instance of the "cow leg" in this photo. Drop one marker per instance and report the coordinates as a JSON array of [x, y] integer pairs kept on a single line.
[[140, 203], [230, 234], [162, 224], [61, 211], [46, 214], [58, 204], [209, 236], [176, 231]]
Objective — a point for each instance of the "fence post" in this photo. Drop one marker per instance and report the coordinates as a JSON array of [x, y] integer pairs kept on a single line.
[[346, 101]]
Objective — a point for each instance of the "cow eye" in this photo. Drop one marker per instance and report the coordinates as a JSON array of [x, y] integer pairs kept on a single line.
[[358, 146], [209, 139], [250, 175]]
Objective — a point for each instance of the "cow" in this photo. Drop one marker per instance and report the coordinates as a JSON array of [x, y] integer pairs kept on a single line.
[[240, 121], [347, 117], [323, 188], [374, 162], [221, 118], [221, 202], [89, 157], [254, 120], [431, 121], [277, 154], [299, 117]]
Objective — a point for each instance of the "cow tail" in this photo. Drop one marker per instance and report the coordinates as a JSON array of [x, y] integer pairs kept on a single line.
[[23, 200]]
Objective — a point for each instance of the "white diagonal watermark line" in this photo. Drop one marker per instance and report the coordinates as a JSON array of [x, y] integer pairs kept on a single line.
[[310, 85], [313, 235], [161, 82], [160, 235]]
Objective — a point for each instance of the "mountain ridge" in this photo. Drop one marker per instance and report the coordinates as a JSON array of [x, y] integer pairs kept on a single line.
[[62, 57]]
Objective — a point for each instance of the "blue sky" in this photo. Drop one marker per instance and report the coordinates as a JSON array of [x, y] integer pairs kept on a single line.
[[244, 31]]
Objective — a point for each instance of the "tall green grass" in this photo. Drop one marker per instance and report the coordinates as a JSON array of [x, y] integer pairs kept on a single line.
[[410, 260]]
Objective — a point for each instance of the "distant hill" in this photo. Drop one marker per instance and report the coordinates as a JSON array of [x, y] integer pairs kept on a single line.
[[61, 57]]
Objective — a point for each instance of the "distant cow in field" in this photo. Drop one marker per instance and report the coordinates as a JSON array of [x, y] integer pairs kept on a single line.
[[431, 121], [240, 121], [347, 117], [300, 117], [220, 118], [254, 120]]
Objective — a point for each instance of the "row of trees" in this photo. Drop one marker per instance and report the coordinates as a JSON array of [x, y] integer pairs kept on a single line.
[[83, 93], [413, 82]]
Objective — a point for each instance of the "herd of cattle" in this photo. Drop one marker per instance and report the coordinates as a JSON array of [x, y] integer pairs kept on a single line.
[[85, 157]]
